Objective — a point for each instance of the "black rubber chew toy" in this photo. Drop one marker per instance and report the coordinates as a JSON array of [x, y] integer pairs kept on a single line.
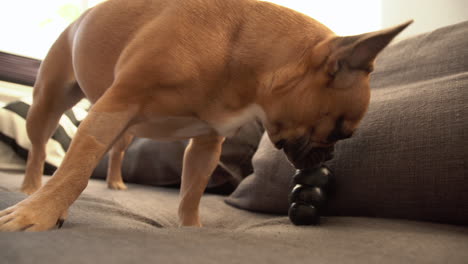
[[309, 195]]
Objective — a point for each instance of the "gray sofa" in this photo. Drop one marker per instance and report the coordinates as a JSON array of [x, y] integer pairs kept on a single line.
[[401, 188]]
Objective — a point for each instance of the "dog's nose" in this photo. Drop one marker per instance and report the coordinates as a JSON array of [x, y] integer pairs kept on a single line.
[[302, 156], [325, 144]]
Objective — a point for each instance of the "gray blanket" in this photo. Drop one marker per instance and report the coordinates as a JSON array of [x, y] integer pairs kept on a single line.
[[140, 226]]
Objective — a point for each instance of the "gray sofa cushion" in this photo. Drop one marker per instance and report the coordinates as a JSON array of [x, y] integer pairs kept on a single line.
[[409, 157], [159, 163], [140, 226]]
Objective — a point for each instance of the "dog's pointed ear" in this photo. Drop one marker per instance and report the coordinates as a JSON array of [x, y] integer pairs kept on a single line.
[[360, 51]]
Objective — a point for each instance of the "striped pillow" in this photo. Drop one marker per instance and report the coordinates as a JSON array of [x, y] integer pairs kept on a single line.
[[13, 132]]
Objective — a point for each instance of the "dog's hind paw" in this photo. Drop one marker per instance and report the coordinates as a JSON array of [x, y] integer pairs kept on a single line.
[[116, 185], [29, 189]]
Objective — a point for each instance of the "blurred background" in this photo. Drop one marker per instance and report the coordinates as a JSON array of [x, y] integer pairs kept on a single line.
[[29, 27]]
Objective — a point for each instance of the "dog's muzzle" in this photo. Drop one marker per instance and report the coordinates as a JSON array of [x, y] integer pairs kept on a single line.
[[304, 156]]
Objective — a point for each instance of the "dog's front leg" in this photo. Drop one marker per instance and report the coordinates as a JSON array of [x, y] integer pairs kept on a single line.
[[106, 121], [200, 159]]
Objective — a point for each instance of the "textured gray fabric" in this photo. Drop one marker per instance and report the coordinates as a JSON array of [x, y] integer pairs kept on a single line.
[[409, 157], [433, 55], [266, 190], [106, 226], [159, 163]]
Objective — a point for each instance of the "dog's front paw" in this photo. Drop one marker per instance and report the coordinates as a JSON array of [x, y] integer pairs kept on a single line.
[[25, 216], [189, 218], [116, 185], [190, 224]]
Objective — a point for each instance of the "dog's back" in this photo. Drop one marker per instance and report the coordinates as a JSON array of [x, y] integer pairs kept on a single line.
[[185, 38]]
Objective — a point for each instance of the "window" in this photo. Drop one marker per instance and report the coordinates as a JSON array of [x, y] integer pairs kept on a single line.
[[29, 27], [344, 17]]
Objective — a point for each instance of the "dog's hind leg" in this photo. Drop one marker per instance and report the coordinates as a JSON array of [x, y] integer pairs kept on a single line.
[[107, 120], [116, 155], [55, 91]]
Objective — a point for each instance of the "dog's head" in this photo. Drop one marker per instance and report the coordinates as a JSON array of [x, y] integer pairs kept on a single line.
[[323, 98]]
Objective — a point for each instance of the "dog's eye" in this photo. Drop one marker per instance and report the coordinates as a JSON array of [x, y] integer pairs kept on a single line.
[[280, 143], [312, 130], [336, 135], [338, 132]]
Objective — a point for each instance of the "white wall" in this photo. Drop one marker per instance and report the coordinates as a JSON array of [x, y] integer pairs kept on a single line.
[[427, 14], [344, 17], [30, 31], [347, 17]]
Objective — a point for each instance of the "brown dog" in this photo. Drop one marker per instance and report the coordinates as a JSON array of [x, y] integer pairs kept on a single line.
[[199, 69]]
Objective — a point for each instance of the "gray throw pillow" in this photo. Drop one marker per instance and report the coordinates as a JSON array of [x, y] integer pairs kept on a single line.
[[409, 157], [159, 163], [266, 190]]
